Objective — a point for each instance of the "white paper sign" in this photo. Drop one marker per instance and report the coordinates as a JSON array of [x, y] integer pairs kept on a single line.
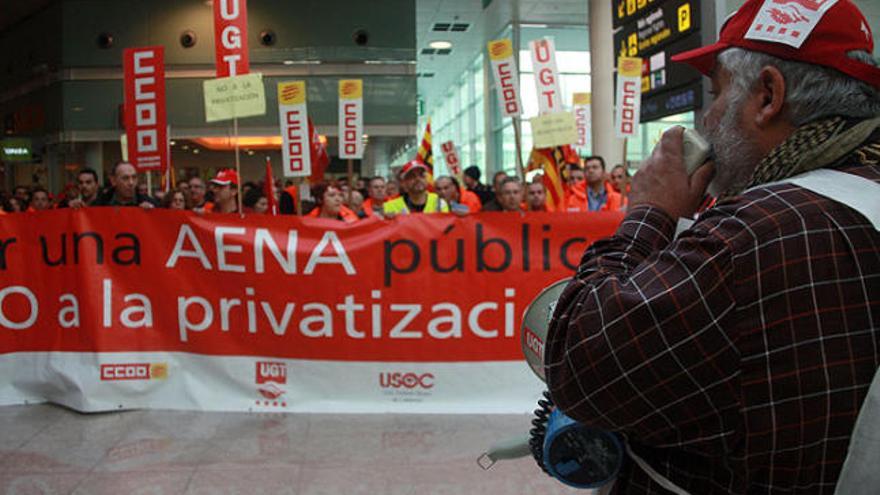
[[546, 76]]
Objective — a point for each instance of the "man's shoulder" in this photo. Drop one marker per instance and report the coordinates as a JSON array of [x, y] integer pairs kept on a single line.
[[783, 209]]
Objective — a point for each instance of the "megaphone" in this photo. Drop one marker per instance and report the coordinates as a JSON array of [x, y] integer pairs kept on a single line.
[[575, 454]]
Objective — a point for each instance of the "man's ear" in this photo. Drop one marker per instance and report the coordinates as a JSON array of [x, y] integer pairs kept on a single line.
[[770, 89]]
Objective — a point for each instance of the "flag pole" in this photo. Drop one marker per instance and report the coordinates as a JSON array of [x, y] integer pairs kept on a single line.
[[237, 164], [516, 134], [149, 183], [298, 199], [623, 162]]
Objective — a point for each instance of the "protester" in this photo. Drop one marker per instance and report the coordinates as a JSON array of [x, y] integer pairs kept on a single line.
[[124, 189], [176, 200], [377, 194], [461, 201], [536, 195], [495, 203], [619, 181], [22, 194], [198, 195], [40, 199], [224, 188], [355, 203], [472, 182], [735, 356], [255, 201], [13, 205], [328, 203], [593, 194], [87, 183], [392, 189], [416, 198], [511, 195]]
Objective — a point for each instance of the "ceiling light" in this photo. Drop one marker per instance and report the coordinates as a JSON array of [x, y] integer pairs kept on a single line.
[[440, 45]]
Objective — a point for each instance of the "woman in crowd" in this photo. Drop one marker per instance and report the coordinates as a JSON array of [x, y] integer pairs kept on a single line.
[[255, 201], [176, 200], [328, 203]]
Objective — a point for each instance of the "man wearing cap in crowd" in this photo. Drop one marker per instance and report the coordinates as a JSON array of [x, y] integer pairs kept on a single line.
[[736, 356], [225, 190], [416, 198]]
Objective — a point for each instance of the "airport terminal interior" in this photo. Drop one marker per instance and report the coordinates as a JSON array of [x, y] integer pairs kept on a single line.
[[423, 63]]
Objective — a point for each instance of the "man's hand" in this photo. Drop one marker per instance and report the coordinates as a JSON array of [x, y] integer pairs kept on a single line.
[[147, 205], [663, 181], [76, 204]]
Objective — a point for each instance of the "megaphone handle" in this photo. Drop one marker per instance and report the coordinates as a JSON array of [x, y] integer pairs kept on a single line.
[[512, 448]]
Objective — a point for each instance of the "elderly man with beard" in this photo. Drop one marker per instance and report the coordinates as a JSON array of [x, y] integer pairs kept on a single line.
[[736, 356]]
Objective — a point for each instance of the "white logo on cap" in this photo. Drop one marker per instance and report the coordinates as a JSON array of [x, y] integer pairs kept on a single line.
[[788, 21], [866, 31]]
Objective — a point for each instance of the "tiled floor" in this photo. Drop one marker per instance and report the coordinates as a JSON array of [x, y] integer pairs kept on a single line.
[[48, 449]]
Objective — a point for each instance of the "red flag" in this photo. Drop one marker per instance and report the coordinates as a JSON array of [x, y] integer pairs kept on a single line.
[[319, 156], [269, 188]]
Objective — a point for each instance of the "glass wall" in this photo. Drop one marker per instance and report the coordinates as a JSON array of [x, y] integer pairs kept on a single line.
[[461, 114]]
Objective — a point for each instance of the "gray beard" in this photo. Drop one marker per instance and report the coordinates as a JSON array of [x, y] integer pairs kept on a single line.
[[736, 156]]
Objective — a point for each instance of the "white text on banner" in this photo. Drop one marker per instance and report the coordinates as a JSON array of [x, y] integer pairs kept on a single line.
[[553, 129], [351, 118], [582, 117], [629, 97], [506, 78], [293, 119], [546, 76], [234, 97]]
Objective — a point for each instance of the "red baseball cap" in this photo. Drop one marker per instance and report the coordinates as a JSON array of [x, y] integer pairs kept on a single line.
[[413, 165], [226, 177], [812, 31]]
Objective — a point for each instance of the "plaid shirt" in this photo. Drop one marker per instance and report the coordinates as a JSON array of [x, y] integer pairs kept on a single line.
[[735, 357]]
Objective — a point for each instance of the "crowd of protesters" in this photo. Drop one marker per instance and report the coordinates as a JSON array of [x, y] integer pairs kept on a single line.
[[587, 186]]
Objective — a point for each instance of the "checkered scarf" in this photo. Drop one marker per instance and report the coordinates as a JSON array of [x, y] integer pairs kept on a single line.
[[813, 146]]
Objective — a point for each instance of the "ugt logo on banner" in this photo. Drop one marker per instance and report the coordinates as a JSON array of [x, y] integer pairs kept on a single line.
[[230, 37], [145, 127]]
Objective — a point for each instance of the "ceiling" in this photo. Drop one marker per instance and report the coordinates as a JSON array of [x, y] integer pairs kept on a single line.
[[15, 11]]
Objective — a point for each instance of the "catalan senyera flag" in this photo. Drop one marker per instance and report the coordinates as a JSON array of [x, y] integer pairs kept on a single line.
[[426, 154], [551, 161]]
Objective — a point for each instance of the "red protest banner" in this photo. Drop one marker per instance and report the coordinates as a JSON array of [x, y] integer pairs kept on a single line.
[[421, 288], [145, 121], [230, 37]]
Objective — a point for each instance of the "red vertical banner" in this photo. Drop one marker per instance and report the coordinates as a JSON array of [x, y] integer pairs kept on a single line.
[[230, 37], [145, 121]]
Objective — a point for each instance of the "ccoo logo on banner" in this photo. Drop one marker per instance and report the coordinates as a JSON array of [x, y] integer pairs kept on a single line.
[[351, 118], [145, 123], [629, 97], [506, 78], [293, 119]]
